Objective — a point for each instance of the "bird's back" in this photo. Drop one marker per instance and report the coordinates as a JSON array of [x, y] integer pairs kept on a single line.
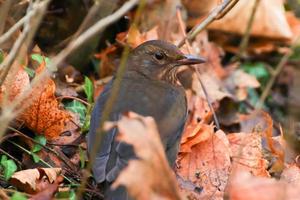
[[166, 103]]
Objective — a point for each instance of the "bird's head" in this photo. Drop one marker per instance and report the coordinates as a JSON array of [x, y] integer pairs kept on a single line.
[[159, 60]]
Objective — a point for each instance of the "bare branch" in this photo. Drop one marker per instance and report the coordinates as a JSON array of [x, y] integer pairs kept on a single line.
[[245, 40], [92, 31]]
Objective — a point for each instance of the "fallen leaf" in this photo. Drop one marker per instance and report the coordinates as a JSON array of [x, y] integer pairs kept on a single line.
[[238, 83], [269, 21], [206, 163], [49, 192], [247, 153], [244, 186], [44, 115], [152, 164], [34, 180]]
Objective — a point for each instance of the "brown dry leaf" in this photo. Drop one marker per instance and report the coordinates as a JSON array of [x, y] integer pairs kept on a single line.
[[34, 180], [238, 82], [49, 191], [152, 164], [269, 21], [44, 115], [294, 23], [106, 64], [207, 165], [136, 38], [247, 153], [291, 174], [213, 86], [244, 186], [198, 9], [21, 81]]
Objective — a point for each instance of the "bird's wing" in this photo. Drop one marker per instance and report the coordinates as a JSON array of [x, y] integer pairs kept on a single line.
[[99, 166]]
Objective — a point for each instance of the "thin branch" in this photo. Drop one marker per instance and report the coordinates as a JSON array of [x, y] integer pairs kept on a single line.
[[94, 30], [57, 154], [245, 40], [74, 98], [274, 75], [16, 26], [40, 159], [182, 28], [214, 15]]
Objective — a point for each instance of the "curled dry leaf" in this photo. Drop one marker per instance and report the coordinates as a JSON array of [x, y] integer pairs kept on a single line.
[[238, 82], [152, 164], [244, 186], [269, 21], [34, 180], [204, 160], [247, 153]]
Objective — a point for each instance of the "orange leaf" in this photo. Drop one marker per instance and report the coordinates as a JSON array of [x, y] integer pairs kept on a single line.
[[247, 153], [207, 165], [44, 115]]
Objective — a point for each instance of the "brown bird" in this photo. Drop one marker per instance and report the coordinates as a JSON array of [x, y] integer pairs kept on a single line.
[[149, 87]]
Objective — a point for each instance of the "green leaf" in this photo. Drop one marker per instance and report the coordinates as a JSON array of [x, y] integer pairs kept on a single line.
[[77, 107], [86, 124], [88, 89], [35, 157], [30, 72], [37, 57], [3, 159], [41, 140], [18, 196], [258, 70], [9, 167]]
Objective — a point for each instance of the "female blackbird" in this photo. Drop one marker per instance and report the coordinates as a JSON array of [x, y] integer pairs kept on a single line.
[[149, 87]]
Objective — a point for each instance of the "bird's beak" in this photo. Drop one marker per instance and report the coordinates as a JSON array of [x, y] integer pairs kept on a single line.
[[190, 60]]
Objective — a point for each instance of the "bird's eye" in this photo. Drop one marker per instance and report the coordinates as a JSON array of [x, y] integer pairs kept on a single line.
[[159, 55]]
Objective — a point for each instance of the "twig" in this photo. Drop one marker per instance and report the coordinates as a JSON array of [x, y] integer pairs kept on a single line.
[[7, 63], [45, 147], [182, 27], [40, 159], [75, 98], [16, 26], [245, 40], [214, 15], [92, 31], [274, 75]]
